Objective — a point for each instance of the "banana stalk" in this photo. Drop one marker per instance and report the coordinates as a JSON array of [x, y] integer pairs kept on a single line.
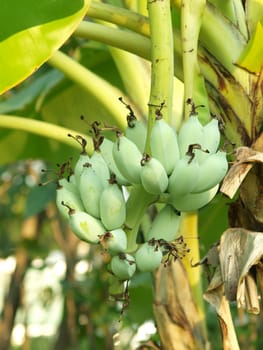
[[134, 72], [191, 19], [92, 84], [189, 230], [138, 201], [161, 93]]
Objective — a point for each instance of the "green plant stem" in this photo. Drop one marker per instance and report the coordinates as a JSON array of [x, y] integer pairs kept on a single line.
[[191, 19], [218, 35], [162, 64], [128, 41], [221, 38], [138, 201], [119, 16], [129, 20], [106, 95], [135, 76], [44, 129]]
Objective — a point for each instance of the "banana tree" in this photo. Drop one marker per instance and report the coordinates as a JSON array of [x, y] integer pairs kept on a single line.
[[176, 61]]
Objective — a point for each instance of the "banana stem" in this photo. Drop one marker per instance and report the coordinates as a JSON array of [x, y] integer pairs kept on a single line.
[[138, 201], [162, 63], [128, 41], [191, 19], [119, 16], [106, 95], [44, 129], [134, 74], [189, 231]]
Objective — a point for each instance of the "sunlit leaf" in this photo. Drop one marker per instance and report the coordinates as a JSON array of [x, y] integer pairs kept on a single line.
[[252, 57], [31, 31]]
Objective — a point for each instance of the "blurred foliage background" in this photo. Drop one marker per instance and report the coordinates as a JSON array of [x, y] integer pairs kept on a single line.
[[54, 289]]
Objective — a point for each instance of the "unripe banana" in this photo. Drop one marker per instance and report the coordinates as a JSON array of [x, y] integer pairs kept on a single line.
[[100, 167], [137, 132], [210, 142], [164, 144], [112, 207], [106, 151], [153, 175], [115, 241], [85, 226], [165, 225], [69, 185], [193, 201], [90, 189], [72, 180], [212, 171], [70, 196], [123, 266], [148, 257], [184, 176], [83, 159], [128, 159], [211, 138], [191, 132]]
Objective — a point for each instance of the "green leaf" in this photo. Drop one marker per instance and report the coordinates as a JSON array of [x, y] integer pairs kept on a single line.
[[31, 31], [252, 57], [27, 95], [58, 102], [213, 221], [38, 198]]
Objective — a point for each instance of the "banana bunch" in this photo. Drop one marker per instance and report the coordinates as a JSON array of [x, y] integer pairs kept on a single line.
[[197, 174], [181, 172]]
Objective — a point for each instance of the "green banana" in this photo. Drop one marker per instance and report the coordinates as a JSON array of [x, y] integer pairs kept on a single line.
[[153, 175], [148, 257], [193, 201], [128, 159], [84, 226], [212, 171], [164, 145], [90, 190], [69, 195], [211, 137], [83, 159], [137, 132], [165, 225], [106, 151], [123, 266], [114, 241], [69, 185], [184, 176], [112, 207], [210, 142], [190, 133], [100, 167]]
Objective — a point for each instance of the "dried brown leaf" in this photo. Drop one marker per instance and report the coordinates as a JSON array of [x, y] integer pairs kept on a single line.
[[245, 159], [216, 297], [239, 251], [176, 313]]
